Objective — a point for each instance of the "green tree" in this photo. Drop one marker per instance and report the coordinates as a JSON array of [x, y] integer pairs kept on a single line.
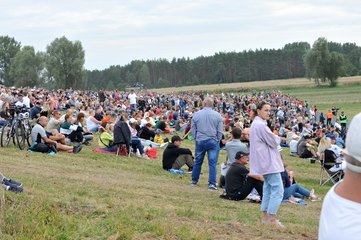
[[144, 75], [9, 47], [26, 67], [65, 63], [321, 65]]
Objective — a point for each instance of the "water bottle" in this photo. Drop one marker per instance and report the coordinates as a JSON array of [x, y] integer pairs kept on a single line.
[[176, 171]]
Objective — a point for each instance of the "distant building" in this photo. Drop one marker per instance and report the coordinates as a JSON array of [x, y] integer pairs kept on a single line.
[[136, 87]]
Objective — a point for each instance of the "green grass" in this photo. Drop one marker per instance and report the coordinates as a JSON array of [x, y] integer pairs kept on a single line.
[[99, 196]]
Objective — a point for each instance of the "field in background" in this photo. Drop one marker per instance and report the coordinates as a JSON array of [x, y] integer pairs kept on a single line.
[[257, 85], [346, 96], [100, 196]]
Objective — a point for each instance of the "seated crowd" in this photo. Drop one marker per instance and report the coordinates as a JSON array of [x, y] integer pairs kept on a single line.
[[67, 119]]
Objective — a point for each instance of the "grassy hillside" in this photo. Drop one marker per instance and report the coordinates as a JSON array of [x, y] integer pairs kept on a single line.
[[99, 196]]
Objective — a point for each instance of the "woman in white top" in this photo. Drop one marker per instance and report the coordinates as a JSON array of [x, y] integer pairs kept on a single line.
[[91, 123]]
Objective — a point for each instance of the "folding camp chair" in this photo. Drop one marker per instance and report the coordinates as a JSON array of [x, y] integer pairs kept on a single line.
[[328, 161]]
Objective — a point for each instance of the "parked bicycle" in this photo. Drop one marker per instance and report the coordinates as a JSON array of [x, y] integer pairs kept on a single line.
[[18, 128]]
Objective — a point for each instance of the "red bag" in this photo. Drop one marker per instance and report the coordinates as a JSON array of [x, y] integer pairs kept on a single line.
[[152, 152], [123, 150]]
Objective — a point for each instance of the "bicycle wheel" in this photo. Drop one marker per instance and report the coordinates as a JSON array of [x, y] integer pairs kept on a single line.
[[27, 128], [20, 135], [5, 135]]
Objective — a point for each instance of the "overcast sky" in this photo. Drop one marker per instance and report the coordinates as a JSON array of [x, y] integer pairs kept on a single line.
[[117, 32]]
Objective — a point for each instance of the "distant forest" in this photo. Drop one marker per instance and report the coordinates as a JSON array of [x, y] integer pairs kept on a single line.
[[223, 67]]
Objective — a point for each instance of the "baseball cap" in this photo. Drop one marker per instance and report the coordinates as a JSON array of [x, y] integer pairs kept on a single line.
[[353, 143], [176, 138], [240, 154]]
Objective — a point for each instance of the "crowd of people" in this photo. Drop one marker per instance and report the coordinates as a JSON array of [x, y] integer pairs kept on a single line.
[[249, 127]]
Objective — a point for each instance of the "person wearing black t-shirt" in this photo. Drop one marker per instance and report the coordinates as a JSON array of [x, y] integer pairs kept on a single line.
[[239, 183]]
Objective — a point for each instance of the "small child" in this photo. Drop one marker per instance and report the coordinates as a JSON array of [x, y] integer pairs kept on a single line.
[[158, 138]]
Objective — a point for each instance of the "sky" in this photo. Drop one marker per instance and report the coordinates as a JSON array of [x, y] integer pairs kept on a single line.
[[116, 32]]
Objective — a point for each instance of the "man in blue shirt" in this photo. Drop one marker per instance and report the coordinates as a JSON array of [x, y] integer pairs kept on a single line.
[[35, 111], [207, 130]]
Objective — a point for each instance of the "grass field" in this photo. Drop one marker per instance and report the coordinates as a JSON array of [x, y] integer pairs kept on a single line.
[[263, 85], [100, 196], [346, 96]]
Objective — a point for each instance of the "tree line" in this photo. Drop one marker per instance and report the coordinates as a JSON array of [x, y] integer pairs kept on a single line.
[[62, 66]]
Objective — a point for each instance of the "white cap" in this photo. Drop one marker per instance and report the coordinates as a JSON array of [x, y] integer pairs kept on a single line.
[[353, 142], [295, 136], [132, 120]]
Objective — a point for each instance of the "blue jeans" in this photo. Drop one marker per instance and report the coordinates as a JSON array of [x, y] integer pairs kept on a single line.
[[134, 106], [110, 149], [272, 193], [296, 191], [88, 137], [137, 144], [211, 147]]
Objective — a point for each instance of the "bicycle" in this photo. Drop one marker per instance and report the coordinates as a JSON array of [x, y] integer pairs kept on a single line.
[[19, 129]]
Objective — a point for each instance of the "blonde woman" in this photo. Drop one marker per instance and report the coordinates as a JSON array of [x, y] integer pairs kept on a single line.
[[325, 143]]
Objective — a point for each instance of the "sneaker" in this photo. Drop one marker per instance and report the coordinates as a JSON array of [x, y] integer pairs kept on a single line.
[[313, 197], [294, 199], [212, 187], [144, 156], [276, 222], [194, 184], [137, 154], [10, 182], [253, 198], [13, 188], [164, 145], [77, 148]]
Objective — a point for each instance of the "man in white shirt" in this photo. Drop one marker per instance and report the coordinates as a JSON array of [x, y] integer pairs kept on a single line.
[[132, 99], [341, 209], [26, 101], [293, 144]]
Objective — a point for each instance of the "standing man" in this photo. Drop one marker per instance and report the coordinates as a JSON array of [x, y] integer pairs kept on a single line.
[[341, 208], [343, 120], [207, 129], [132, 99]]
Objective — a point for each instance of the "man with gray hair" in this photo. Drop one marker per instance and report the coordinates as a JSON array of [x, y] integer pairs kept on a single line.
[[341, 210], [207, 129]]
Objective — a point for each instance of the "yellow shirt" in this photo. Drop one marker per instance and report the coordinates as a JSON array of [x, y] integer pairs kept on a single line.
[[158, 139], [106, 138]]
